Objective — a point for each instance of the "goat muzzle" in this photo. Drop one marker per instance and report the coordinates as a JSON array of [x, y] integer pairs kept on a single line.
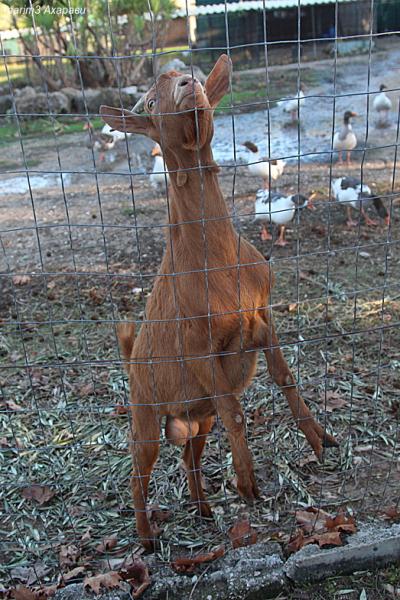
[[139, 106]]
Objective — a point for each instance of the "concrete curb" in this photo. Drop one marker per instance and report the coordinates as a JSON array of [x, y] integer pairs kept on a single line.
[[259, 572], [371, 547]]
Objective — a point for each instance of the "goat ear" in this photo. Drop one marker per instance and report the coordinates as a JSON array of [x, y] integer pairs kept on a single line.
[[124, 120], [217, 83]]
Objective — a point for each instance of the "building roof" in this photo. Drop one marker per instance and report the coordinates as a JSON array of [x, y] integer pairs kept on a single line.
[[245, 5]]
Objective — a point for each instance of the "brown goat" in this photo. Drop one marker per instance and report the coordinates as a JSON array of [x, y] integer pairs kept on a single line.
[[208, 313]]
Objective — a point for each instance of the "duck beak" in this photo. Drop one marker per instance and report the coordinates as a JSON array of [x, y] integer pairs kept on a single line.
[[353, 114], [310, 204], [155, 151]]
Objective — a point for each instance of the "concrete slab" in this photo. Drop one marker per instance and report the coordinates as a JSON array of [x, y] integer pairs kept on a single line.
[[259, 572]]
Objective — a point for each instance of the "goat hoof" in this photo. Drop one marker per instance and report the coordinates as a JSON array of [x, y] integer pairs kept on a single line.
[[149, 541], [205, 510], [318, 438], [249, 490], [152, 545], [329, 441]]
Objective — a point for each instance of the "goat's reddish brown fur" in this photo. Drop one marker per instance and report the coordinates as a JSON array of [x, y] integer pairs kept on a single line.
[[208, 312]]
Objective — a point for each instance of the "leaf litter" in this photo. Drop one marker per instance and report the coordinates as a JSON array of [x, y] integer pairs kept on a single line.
[[319, 527], [41, 494], [67, 431]]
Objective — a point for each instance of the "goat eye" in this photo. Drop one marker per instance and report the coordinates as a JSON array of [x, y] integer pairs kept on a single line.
[[151, 104]]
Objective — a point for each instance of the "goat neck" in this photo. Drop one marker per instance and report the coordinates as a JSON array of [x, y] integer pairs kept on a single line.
[[198, 211]]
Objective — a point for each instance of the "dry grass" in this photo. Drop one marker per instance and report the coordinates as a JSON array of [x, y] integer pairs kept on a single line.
[[64, 431]]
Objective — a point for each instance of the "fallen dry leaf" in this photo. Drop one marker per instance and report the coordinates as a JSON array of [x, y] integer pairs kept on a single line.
[[242, 534], [258, 417], [296, 542], [46, 592], [22, 593], [135, 572], [109, 581], [86, 536], [107, 544], [319, 230], [188, 565], [21, 279], [76, 573], [320, 527], [11, 405], [312, 520], [120, 409], [40, 493], [391, 513], [68, 555], [342, 522], [96, 296], [86, 390], [334, 400], [329, 538], [307, 459], [156, 515], [30, 575]]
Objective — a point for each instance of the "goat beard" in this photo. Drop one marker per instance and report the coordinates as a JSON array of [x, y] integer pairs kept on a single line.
[[199, 128]]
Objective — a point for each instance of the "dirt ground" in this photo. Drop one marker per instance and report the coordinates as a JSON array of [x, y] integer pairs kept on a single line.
[[74, 261]]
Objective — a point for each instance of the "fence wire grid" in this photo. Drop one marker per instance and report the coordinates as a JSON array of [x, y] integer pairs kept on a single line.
[[82, 236]]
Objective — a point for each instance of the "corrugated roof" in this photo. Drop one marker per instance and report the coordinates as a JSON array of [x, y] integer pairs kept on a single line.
[[211, 9]]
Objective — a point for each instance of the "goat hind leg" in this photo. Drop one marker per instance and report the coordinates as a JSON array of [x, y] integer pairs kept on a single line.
[[144, 447], [191, 457], [282, 376], [231, 413]]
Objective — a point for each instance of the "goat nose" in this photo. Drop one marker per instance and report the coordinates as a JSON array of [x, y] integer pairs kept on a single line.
[[186, 81]]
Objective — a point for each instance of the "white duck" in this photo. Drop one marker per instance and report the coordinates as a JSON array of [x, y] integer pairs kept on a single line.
[[292, 105], [268, 170], [118, 136], [382, 105], [273, 207], [345, 139], [159, 174], [101, 142], [351, 192]]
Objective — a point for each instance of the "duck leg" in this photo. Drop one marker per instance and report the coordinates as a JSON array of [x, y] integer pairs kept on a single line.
[[281, 239], [350, 222], [340, 158], [368, 221], [348, 158], [266, 183], [265, 234]]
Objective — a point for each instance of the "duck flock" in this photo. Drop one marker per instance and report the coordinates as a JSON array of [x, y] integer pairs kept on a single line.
[[272, 208]]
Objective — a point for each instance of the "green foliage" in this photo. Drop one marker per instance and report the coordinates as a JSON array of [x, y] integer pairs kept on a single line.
[[132, 32], [43, 127]]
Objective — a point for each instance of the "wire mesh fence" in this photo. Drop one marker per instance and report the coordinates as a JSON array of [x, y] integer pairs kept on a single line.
[[86, 218]]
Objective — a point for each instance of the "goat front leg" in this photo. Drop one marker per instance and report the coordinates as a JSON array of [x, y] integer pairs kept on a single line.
[[144, 448], [191, 458], [231, 413], [282, 376]]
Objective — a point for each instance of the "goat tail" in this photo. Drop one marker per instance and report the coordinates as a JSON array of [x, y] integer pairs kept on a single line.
[[126, 339]]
